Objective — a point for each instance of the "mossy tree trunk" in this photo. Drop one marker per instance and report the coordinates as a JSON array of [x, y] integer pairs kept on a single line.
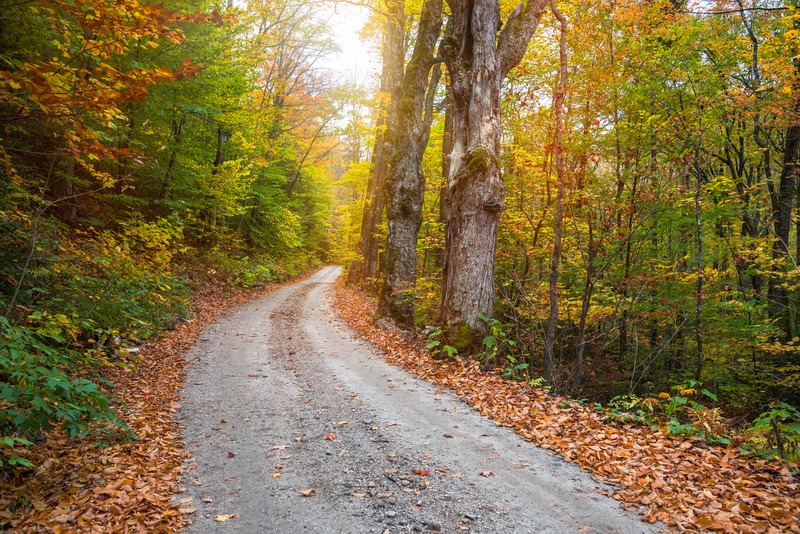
[[477, 61], [405, 185], [365, 270]]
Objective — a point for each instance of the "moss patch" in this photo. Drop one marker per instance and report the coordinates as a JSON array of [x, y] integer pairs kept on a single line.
[[463, 338], [480, 159]]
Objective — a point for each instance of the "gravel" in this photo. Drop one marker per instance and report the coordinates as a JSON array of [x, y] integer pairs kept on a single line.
[[282, 398]]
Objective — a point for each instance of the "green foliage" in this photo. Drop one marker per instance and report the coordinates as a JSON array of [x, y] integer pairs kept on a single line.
[[777, 432], [198, 144], [679, 414], [436, 347], [44, 382], [499, 343]]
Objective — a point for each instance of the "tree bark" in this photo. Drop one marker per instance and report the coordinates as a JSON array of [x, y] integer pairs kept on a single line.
[[405, 185], [177, 132], [783, 201], [477, 62], [558, 108], [364, 271]]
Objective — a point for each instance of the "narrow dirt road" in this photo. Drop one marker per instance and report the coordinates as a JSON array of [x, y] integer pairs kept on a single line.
[[281, 398]]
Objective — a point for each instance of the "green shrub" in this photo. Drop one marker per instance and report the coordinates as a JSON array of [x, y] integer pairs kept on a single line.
[[44, 382]]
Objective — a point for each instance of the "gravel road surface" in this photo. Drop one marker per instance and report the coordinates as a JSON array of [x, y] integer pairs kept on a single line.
[[281, 398]]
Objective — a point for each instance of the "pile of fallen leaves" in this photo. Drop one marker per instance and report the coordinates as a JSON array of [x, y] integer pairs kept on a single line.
[[688, 485], [124, 486]]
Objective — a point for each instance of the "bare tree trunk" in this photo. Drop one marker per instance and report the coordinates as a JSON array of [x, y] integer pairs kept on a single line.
[[786, 198], [365, 270], [698, 319], [477, 61], [405, 186], [586, 300], [177, 132], [558, 107]]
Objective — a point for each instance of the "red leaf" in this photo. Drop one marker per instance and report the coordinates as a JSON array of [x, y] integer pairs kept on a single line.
[[330, 436], [231, 455]]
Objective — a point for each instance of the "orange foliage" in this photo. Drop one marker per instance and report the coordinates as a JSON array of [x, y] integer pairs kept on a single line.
[[687, 485]]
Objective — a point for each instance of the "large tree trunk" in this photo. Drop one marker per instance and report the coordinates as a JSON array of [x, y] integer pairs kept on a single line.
[[783, 201], [477, 62], [405, 186], [364, 271]]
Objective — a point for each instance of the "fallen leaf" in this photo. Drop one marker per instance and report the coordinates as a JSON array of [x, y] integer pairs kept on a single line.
[[448, 435], [276, 475], [389, 471], [280, 447], [307, 493], [392, 423], [421, 472], [487, 474], [223, 420], [221, 518], [279, 466], [359, 495], [187, 511], [585, 528], [330, 436], [207, 500], [231, 455], [298, 440], [384, 495], [343, 422]]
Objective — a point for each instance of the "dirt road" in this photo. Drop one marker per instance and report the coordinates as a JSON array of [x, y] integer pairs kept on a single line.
[[281, 398]]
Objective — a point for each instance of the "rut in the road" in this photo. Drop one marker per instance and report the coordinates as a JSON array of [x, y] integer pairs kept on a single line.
[[309, 407]]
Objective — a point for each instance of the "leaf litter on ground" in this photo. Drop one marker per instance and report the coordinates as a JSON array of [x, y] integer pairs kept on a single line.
[[688, 485], [126, 486]]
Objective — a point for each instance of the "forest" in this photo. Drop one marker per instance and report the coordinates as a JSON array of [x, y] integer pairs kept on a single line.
[[599, 199]]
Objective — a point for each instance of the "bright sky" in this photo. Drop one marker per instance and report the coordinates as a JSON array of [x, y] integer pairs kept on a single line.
[[356, 62]]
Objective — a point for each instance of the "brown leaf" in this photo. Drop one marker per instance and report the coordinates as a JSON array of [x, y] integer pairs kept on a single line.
[[307, 493]]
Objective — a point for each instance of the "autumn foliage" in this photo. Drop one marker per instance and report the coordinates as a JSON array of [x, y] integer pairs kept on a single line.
[[688, 485], [139, 140]]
